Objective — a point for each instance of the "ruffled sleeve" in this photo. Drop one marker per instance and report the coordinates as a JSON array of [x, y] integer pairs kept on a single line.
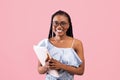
[[76, 61], [71, 58], [42, 43]]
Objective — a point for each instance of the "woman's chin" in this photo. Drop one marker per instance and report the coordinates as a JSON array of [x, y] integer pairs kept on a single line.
[[58, 34]]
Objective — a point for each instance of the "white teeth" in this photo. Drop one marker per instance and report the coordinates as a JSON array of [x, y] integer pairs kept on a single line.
[[59, 30]]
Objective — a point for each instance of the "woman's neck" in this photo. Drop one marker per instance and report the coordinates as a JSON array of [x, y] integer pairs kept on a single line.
[[60, 38]]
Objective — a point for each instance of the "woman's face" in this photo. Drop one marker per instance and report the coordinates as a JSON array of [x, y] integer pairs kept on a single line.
[[60, 25]]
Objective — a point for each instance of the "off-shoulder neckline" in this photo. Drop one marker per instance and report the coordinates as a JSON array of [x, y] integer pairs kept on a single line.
[[58, 47]]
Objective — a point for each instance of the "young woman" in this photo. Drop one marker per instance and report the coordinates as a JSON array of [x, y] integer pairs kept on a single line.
[[65, 50]]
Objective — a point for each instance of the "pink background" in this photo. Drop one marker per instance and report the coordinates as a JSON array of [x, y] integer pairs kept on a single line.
[[24, 23]]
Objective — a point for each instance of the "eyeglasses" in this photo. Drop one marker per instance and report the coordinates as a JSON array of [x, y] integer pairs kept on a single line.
[[62, 23]]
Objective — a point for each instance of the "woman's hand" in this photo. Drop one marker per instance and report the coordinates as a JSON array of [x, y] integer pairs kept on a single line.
[[46, 66], [54, 64], [43, 69]]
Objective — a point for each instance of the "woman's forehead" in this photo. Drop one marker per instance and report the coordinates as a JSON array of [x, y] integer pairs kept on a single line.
[[60, 18]]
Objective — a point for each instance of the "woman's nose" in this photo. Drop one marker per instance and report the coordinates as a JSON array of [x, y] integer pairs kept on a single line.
[[59, 27]]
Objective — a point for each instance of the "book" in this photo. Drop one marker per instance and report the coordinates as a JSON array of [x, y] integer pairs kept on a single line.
[[42, 55]]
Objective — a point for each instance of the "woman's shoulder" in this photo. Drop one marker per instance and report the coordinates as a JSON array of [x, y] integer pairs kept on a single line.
[[73, 38], [42, 42], [77, 42]]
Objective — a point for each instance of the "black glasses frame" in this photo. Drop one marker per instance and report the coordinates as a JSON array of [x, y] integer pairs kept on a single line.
[[62, 23]]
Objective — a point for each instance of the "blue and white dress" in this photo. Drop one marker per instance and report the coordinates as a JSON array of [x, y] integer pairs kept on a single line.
[[65, 55]]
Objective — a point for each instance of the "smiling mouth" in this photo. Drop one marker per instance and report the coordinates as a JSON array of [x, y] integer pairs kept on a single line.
[[59, 30]]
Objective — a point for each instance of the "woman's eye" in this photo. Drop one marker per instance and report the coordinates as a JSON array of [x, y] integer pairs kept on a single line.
[[63, 23]]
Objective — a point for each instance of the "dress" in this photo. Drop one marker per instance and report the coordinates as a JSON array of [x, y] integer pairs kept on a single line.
[[65, 55]]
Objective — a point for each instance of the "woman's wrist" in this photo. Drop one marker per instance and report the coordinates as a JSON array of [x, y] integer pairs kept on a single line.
[[63, 66]]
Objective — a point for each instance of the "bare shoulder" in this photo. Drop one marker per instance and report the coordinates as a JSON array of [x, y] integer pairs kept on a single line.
[[78, 44]]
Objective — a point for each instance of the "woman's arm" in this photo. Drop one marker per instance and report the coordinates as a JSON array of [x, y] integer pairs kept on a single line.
[[54, 64]]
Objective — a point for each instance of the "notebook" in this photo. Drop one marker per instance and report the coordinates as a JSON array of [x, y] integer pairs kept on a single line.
[[42, 54]]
